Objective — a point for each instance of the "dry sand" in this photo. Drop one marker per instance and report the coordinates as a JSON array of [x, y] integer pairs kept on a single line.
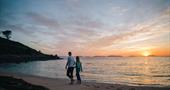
[[62, 84]]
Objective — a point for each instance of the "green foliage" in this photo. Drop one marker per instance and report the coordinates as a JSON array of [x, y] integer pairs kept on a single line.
[[7, 34], [14, 48], [11, 51]]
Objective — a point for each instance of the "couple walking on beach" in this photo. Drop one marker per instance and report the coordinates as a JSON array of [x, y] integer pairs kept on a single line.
[[70, 65]]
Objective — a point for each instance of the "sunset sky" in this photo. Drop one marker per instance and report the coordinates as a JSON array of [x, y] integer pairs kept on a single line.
[[90, 27]]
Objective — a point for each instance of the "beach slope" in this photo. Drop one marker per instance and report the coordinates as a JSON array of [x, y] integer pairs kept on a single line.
[[62, 84]]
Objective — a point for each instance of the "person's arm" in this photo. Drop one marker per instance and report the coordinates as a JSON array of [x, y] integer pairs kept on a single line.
[[74, 63], [66, 64], [81, 67]]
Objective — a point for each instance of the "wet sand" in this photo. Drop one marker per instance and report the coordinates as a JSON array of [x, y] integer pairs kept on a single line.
[[63, 84]]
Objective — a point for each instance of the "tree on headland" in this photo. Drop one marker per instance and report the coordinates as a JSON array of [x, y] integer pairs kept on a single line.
[[7, 34]]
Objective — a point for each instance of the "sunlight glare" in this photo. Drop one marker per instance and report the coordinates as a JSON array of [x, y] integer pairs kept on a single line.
[[146, 53]]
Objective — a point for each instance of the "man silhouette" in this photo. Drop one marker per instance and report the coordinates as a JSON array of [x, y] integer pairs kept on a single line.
[[70, 67]]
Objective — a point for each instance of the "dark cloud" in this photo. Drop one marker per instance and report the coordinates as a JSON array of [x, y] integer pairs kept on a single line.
[[43, 20], [16, 28], [85, 21]]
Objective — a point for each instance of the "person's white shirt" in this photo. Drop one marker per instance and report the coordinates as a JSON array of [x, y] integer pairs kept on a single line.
[[70, 61]]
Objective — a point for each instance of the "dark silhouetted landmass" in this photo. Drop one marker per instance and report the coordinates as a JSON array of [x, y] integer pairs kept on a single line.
[[115, 56], [10, 83], [153, 56], [99, 56], [148, 56], [109, 56], [15, 52]]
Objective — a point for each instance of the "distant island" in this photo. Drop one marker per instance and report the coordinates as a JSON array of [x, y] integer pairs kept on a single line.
[[114, 56], [109, 56], [147, 56], [15, 52]]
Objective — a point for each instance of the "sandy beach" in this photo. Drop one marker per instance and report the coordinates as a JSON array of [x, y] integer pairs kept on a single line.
[[62, 84]]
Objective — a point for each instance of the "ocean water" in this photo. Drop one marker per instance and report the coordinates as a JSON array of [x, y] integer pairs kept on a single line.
[[134, 71]]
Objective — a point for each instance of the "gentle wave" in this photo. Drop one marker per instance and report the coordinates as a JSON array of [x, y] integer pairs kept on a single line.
[[151, 71]]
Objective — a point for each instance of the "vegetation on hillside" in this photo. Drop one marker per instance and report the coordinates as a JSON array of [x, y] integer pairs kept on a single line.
[[11, 51]]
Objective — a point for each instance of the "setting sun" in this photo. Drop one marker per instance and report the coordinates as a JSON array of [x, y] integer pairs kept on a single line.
[[146, 53]]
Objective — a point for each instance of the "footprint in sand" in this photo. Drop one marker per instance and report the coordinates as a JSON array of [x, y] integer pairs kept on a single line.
[[87, 85], [132, 89], [110, 87], [119, 89], [96, 86]]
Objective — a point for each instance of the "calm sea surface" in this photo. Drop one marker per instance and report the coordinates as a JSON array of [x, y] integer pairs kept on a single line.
[[136, 71]]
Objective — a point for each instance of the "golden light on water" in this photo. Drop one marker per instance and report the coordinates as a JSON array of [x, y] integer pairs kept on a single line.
[[146, 53]]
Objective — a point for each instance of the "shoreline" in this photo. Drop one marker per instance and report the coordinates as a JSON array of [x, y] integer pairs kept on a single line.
[[62, 84], [26, 58]]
